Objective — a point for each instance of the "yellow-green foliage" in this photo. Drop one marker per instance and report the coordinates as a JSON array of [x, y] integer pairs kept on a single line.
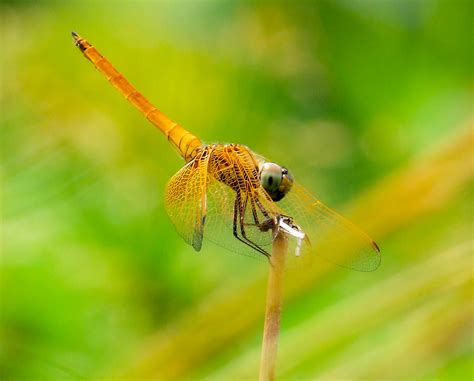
[[368, 103]]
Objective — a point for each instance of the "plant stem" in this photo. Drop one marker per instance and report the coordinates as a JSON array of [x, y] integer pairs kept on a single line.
[[273, 309]]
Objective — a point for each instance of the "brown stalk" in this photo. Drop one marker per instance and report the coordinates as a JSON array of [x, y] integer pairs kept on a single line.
[[273, 308]]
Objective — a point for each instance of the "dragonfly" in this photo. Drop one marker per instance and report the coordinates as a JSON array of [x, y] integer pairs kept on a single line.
[[238, 199]]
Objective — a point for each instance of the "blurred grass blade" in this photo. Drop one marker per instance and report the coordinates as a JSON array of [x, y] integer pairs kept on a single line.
[[417, 190]]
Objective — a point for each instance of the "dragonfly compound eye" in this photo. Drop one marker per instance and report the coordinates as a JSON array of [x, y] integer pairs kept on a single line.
[[275, 180]]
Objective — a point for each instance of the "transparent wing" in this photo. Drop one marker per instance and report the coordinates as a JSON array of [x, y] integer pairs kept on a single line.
[[218, 196], [222, 226], [238, 206], [328, 233], [185, 199]]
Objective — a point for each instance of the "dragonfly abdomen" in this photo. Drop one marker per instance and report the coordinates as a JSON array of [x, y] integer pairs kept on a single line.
[[186, 143]]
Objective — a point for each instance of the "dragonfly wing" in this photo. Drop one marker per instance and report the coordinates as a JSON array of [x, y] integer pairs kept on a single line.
[[328, 233], [237, 204], [186, 201], [223, 226]]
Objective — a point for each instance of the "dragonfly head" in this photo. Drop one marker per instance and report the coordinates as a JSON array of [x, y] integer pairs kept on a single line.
[[276, 180]]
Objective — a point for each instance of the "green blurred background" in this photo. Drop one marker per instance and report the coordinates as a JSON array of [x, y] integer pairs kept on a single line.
[[369, 103]]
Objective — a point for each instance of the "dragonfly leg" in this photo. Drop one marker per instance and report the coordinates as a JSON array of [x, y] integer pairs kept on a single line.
[[270, 222], [254, 212], [262, 209], [256, 220], [243, 207], [238, 217], [262, 226]]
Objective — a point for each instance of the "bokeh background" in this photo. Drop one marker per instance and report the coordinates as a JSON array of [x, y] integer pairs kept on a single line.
[[369, 103]]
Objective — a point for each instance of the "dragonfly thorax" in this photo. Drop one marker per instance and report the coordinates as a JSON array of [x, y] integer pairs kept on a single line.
[[235, 166]]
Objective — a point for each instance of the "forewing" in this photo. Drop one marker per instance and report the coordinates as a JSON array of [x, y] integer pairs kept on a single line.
[[328, 233], [237, 204], [186, 201]]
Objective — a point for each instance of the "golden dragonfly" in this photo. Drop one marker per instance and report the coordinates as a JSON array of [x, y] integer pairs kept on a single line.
[[236, 198]]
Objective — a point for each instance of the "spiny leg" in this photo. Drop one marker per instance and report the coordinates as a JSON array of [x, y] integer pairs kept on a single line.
[[234, 225], [243, 207], [254, 214], [262, 209], [239, 206], [266, 225], [270, 222], [237, 212]]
